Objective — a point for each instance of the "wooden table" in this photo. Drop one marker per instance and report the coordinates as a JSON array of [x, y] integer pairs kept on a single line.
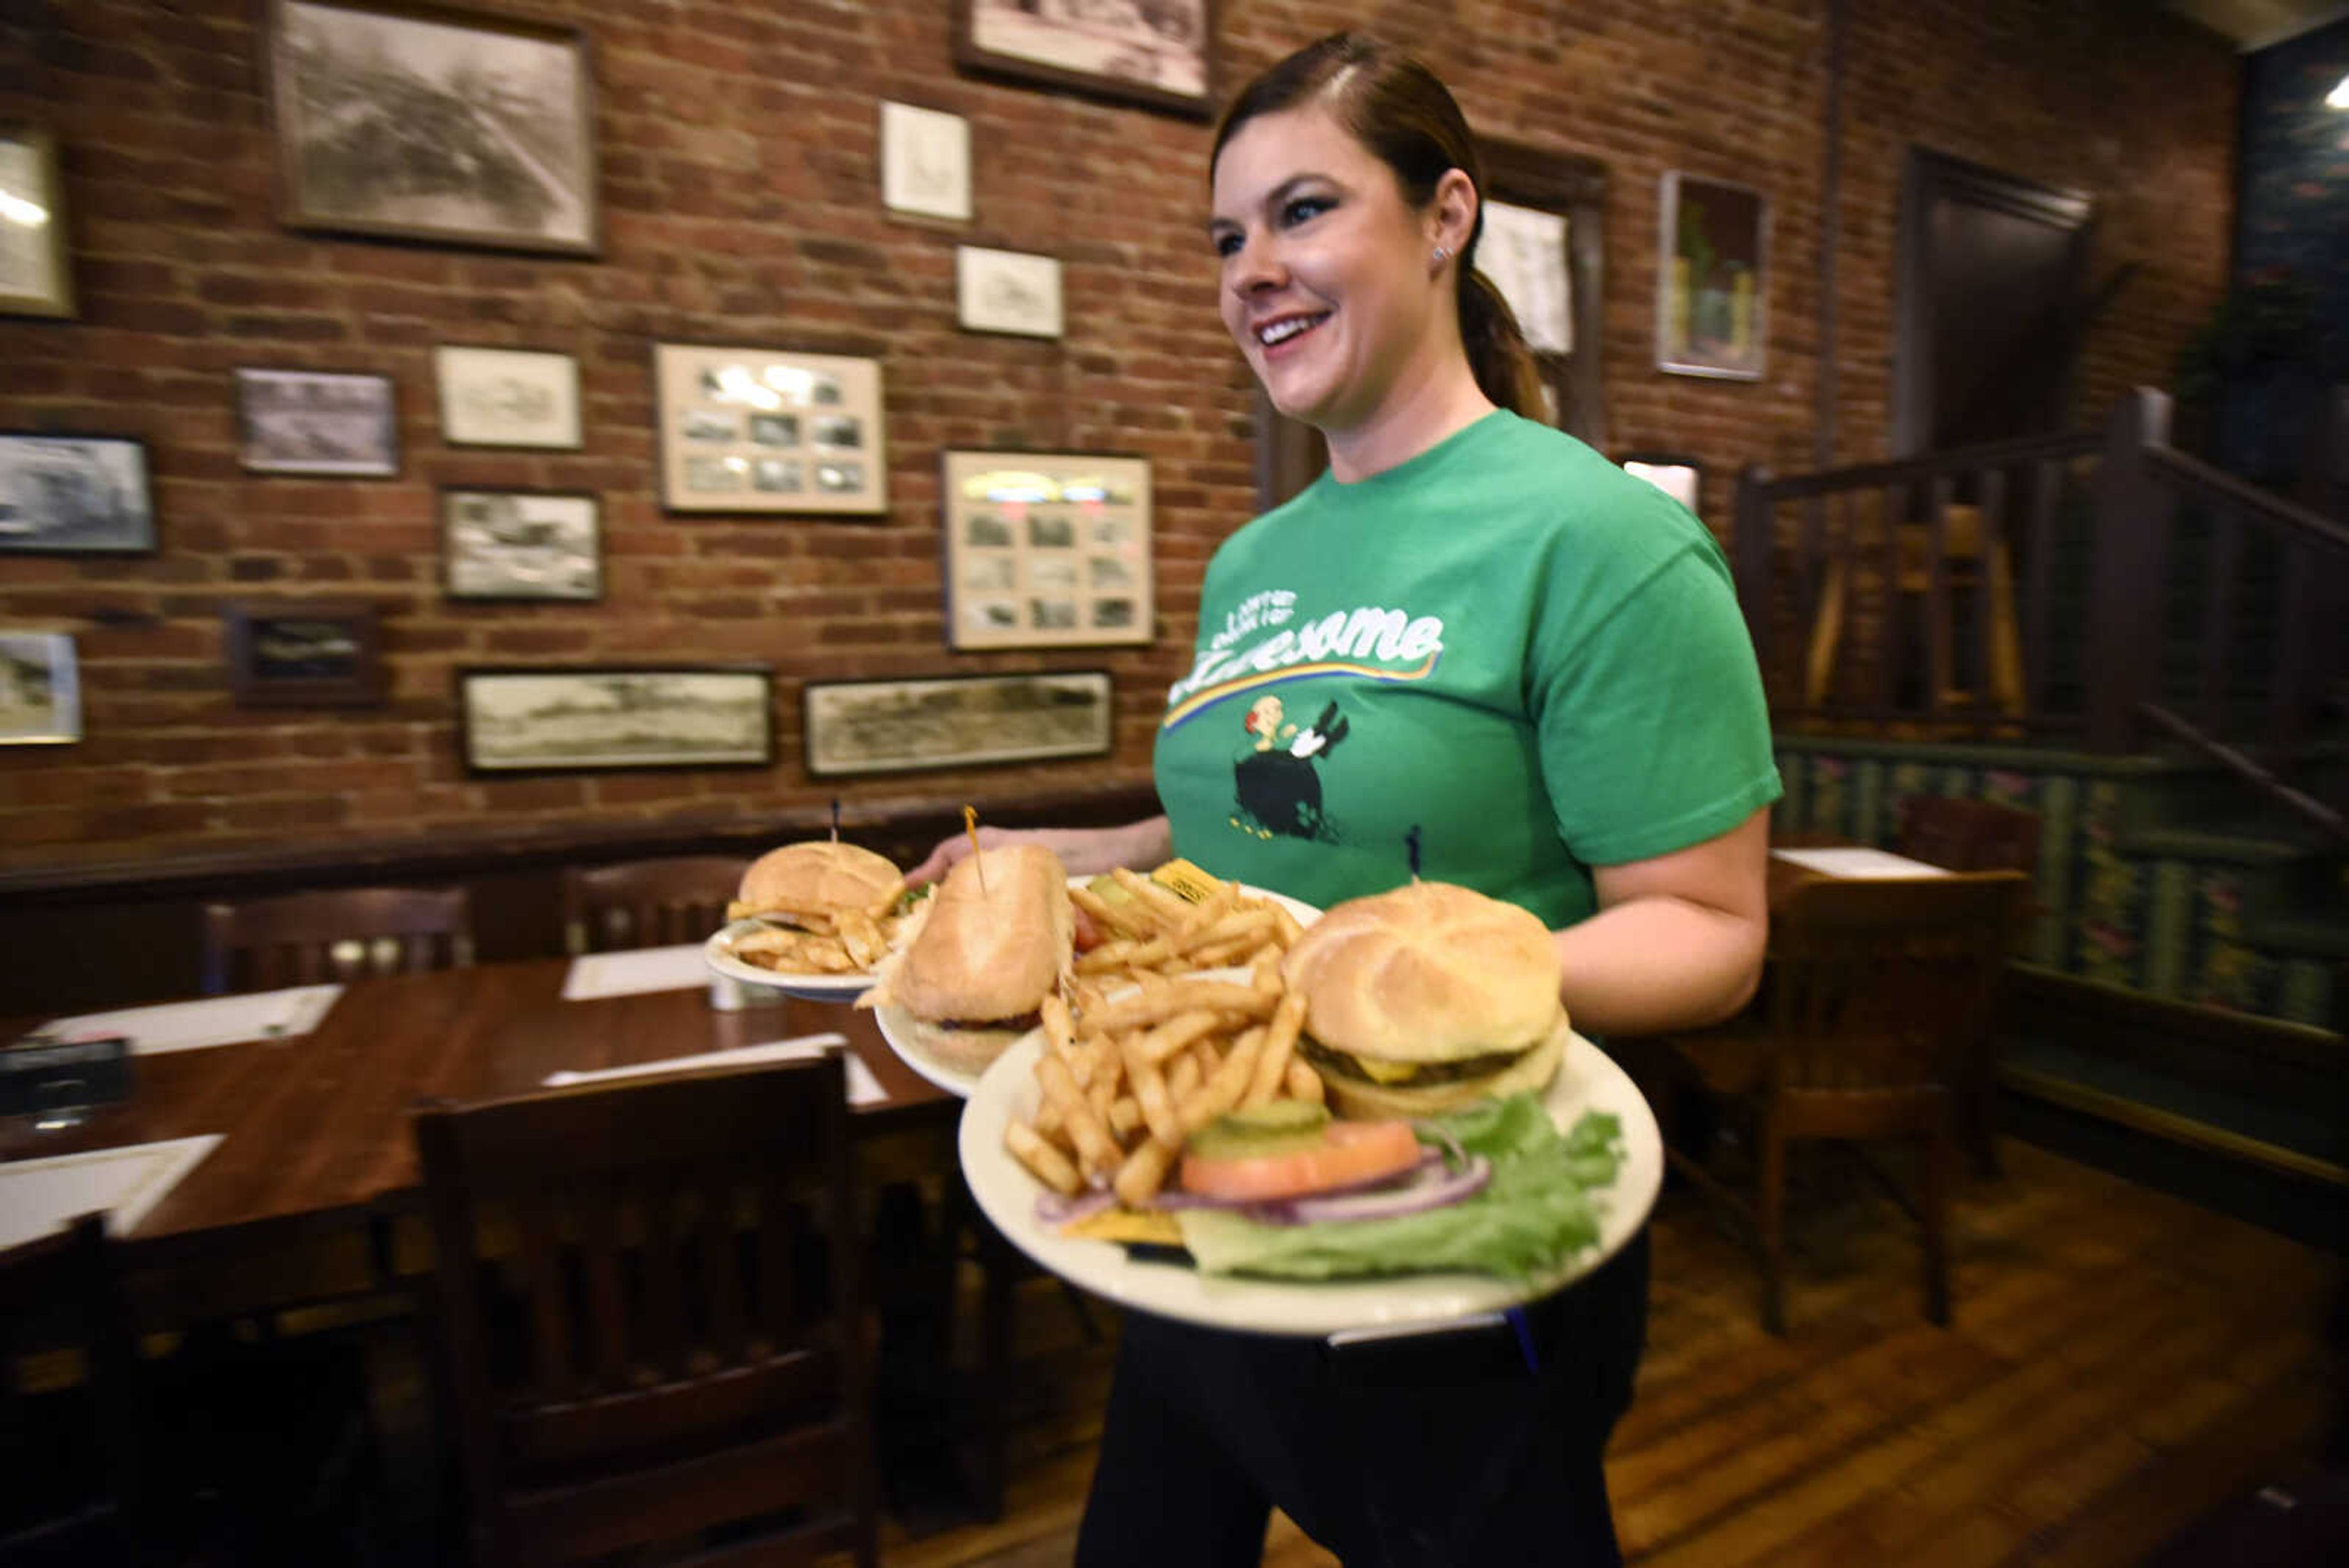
[[313, 1192]]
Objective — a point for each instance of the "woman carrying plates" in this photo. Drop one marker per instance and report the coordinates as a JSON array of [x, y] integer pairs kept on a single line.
[[1476, 635]]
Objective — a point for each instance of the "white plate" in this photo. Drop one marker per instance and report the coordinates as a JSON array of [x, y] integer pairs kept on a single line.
[[717, 952], [1587, 1080], [894, 1021]]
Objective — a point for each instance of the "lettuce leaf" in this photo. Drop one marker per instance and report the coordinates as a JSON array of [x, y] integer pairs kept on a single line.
[[1535, 1214]]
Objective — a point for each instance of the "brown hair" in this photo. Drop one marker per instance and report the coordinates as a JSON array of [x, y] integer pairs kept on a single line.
[[1394, 105]]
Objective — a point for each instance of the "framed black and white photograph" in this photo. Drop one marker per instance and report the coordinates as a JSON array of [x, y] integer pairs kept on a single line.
[[74, 495], [40, 689], [1713, 293], [521, 544], [1158, 53], [600, 719], [36, 272], [507, 397], [1007, 291], [770, 431], [1047, 549], [310, 653], [852, 727], [312, 422], [925, 163], [416, 121]]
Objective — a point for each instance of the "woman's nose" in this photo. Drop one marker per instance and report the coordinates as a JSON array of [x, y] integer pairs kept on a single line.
[[1252, 267]]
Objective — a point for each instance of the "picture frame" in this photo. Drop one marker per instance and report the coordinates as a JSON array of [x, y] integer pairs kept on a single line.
[[851, 728], [925, 163], [423, 122], [748, 430], [1158, 56], [303, 653], [40, 689], [507, 397], [35, 267], [68, 494], [615, 717], [521, 544], [1047, 549], [317, 422], [1007, 291], [1712, 290]]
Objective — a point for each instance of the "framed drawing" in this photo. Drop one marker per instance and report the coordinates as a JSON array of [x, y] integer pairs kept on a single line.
[[320, 653], [1005, 291], [36, 273], [418, 122], [854, 727], [74, 495], [521, 544], [507, 397], [40, 689], [1713, 283], [764, 430], [570, 720], [925, 163], [1047, 549], [311, 422], [1158, 53]]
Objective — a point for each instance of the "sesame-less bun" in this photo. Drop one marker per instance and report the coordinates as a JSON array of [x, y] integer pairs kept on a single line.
[[819, 878], [993, 941]]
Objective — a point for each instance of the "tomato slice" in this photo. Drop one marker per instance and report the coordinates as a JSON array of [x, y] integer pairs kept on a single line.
[[1350, 1153], [1088, 935]]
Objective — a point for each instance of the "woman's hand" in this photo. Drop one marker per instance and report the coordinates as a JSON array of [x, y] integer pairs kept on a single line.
[[1085, 851]]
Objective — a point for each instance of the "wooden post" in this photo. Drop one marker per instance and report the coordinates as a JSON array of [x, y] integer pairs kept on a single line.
[[2130, 538], [1749, 542]]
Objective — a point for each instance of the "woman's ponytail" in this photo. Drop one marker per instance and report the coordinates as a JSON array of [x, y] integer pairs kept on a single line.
[[1504, 366]]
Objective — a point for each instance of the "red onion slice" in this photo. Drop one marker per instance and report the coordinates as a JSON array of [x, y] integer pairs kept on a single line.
[[1416, 1197], [1052, 1209]]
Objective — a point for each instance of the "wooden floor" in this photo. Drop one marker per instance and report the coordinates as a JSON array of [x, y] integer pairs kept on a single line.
[[2119, 1362]]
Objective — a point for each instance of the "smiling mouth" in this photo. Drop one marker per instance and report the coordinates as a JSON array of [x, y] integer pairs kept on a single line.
[[1287, 329]]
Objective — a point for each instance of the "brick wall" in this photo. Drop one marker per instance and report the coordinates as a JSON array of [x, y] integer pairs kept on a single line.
[[738, 144]]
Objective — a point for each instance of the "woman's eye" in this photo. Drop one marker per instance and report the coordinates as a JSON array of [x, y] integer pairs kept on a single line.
[[1303, 208], [1227, 244]]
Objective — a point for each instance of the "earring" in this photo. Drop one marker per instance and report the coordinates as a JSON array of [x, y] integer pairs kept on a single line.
[[1443, 255]]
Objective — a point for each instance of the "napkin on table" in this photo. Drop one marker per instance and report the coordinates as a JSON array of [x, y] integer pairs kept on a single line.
[[864, 1088], [214, 1021]]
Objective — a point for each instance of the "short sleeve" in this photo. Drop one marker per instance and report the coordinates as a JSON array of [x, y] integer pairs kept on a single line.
[[1653, 726]]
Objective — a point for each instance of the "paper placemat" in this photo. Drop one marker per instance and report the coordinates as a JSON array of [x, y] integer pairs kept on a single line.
[[635, 971], [1858, 863], [215, 1021], [39, 1196], [864, 1088]]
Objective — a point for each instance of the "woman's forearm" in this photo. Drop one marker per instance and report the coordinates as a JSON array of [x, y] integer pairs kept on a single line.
[[1654, 964]]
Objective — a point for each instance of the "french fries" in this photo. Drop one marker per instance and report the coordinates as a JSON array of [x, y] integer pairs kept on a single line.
[[851, 944], [1141, 1052]]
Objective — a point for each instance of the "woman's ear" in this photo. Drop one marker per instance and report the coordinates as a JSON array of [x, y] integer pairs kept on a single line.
[[1453, 212]]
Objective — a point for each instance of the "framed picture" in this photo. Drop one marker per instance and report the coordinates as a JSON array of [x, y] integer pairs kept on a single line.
[[571, 720], [40, 689], [1713, 293], [1524, 252], [521, 544], [507, 397], [311, 422], [1158, 53], [36, 273], [316, 653], [418, 122], [74, 495], [1005, 291], [852, 727], [925, 163], [1047, 549], [764, 430]]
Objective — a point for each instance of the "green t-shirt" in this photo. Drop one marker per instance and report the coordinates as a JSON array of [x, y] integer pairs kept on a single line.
[[1507, 645]]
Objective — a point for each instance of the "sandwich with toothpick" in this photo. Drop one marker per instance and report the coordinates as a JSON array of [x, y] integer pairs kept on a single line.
[[973, 964]]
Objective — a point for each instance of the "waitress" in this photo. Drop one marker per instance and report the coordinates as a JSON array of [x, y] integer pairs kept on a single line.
[[1475, 630]]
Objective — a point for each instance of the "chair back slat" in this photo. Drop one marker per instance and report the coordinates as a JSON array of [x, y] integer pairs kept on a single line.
[[336, 934], [648, 903]]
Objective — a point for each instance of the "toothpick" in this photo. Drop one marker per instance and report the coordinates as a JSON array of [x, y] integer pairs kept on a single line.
[[1411, 842], [971, 826], [835, 819]]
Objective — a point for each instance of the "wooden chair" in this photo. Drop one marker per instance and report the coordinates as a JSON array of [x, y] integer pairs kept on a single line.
[[647, 903], [1875, 993], [71, 1454], [659, 1353], [340, 934]]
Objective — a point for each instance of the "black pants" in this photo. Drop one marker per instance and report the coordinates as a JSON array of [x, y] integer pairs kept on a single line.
[[1432, 1452]]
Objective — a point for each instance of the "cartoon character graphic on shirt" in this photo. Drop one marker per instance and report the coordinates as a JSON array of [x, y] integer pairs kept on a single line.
[[1275, 782]]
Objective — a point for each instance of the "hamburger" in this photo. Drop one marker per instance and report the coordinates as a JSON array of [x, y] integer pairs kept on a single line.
[[810, 886], [976, 960], [1422, 999]]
